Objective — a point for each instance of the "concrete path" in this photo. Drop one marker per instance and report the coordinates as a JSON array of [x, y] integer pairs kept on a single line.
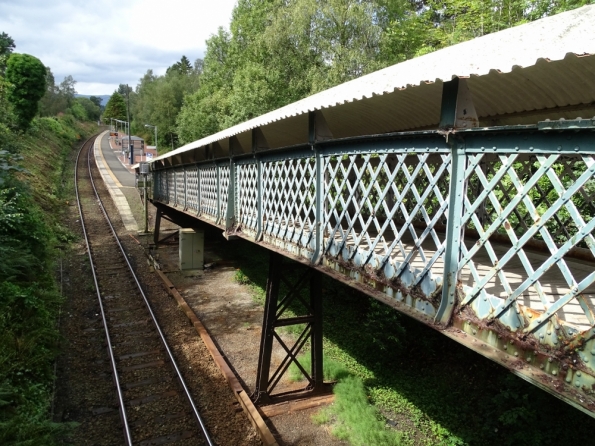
[[115, 176]]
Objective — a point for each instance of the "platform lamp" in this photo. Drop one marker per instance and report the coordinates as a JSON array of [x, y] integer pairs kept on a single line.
[[149, 125]]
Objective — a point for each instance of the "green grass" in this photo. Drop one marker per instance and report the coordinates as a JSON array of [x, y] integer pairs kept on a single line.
[[352, 417], [432, 389], [31, 204], [332, 370]]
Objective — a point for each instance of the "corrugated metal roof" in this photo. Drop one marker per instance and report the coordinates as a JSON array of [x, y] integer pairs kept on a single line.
[[533, 69]]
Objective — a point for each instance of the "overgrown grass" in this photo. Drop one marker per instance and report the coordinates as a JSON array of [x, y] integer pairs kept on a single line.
[[431, 389], [30, 205], [352, 417], [332, 370]]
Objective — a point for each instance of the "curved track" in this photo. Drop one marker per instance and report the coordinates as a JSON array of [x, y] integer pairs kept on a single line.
[[154, 402]]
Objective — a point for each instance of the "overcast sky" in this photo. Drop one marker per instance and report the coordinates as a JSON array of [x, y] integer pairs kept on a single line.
[[108, 42]]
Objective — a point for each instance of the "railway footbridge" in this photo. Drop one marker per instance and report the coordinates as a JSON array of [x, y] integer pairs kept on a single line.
[[457, 187]]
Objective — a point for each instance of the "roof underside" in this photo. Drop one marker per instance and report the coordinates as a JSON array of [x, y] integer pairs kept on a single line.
[[522, 75]]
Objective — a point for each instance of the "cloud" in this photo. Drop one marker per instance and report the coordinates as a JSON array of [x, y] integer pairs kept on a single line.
[[111, 42]]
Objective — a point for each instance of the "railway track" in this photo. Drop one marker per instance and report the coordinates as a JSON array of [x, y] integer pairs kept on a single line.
[[154, 402]]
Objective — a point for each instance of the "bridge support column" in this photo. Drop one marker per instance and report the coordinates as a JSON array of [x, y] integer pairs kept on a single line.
[[158, 214], [285, 278]]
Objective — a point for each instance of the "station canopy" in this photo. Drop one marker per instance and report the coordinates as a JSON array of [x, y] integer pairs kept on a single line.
[[532, 72]]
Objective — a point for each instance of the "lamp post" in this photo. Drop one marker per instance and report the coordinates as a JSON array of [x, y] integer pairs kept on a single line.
[[149, 125]]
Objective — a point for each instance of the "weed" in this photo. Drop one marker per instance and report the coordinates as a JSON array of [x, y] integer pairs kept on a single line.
[[332, 370], [241, 278]]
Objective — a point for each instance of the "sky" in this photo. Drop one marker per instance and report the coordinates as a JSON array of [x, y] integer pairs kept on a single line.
[[104, 43]]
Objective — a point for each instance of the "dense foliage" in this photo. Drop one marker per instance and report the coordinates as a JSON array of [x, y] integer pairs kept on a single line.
[[279, 51], [158, 99], [31, 196], [27, 75], [115, 108]]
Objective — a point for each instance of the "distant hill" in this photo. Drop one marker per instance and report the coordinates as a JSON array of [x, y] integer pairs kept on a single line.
[[104, 97]]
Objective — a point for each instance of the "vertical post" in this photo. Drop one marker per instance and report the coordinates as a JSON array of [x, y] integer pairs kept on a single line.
[[448, 111], [259, 217], [231, 197], [454, 229], [146, 210], [259, 207], [157, 226], [316, 336], [218, 179], [316, 258], [268, 328]]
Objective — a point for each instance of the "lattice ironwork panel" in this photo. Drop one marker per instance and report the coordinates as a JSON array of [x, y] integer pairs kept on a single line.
[[247, 196], [224, 179], [289, 200], [387, 213], [171, 187], [180, 187], [161, 185], [192, 188], [530, 217], [208, 191]]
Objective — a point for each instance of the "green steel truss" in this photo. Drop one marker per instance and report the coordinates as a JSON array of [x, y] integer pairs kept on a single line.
[[484, 234]]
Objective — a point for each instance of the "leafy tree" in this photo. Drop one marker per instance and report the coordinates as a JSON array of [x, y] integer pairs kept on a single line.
[[95, 100], [67, 89], [181, 67], [7, 46], [158, 100], [115, 108], [124, 89], [90, 110], [279, 51], [57, 98], [28, 76]]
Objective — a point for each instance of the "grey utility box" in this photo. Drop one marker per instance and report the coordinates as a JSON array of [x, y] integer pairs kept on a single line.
[[192, 248]]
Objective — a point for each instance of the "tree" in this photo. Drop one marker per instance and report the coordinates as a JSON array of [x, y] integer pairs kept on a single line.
[[115, 108], [158, 100], [95, 100], [124, 90], [28, 76], [7, 46], [92, 112], [67, 90], [181, 67], [57, 98]]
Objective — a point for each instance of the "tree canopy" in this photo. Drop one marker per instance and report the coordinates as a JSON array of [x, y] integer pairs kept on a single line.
[[7, 46], [27, 75], [279, 51], [115, 108], [158, 100]]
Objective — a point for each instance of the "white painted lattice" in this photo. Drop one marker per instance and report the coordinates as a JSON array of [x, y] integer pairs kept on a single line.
[[247, 196], [192, 188], [529, 213], [180, 187], [289, 200], [171, 187], [223, 190], [161, 190], [208, 191], [382, 212]]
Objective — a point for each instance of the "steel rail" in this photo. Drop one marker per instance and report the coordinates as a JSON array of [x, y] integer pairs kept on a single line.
[[110, 348], [148, 306]]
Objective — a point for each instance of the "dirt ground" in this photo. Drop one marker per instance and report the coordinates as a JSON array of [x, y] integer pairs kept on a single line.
[[233, 319]]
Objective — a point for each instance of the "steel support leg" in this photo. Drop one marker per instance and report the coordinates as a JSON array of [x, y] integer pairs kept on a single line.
[[158, 215], [283, 277]]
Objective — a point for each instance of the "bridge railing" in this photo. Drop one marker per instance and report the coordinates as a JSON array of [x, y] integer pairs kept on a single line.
[[507, 214]]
